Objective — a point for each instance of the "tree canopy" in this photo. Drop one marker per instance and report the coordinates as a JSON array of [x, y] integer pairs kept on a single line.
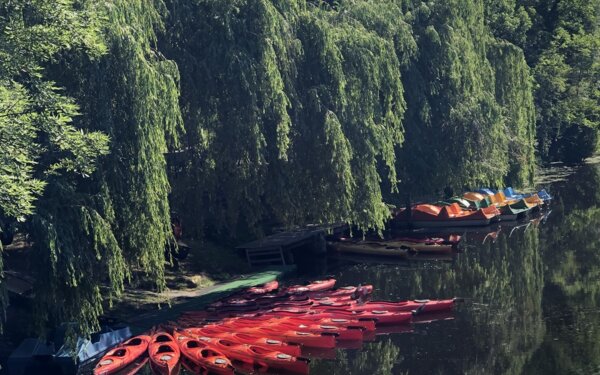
[[242, 115]]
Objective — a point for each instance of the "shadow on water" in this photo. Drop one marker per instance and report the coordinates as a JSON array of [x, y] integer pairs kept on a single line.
[[532, 297]]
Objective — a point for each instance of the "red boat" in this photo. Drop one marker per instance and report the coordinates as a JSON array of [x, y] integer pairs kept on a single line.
[[202, 355], [315, 286], [244, 338], [294, 336], [420, 306], [122, 356], [261, 357], [377, 316], [342, 333], [282, 317], [164, 354], [264, 289], [353, 292], [312, 316]]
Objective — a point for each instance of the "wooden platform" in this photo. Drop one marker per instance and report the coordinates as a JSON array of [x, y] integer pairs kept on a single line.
[[276, 248]]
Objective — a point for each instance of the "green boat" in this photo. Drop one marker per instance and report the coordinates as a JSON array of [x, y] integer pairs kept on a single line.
[[514, 211]]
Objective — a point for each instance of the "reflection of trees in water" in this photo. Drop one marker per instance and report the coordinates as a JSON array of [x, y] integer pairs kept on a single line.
[[501, 326], [572, 293], [551, 272], [377, 358]]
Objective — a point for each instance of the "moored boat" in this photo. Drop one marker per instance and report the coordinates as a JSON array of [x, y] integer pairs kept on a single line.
[[122, 356], [264, 289], [428, 215], [203, 355], [244, 338], [315, 286], [260, 357], [368, 248], [164, 354]]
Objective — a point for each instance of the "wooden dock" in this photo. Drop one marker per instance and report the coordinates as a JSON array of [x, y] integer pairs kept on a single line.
[[277, 248]]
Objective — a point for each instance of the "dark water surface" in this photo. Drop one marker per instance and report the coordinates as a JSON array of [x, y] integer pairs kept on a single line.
[[532, 297], [531, 290]]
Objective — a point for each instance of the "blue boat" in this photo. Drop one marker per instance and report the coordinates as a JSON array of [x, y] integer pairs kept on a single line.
[[511, 194]]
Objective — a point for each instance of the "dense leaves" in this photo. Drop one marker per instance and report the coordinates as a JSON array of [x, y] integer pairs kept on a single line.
[[263, 113]]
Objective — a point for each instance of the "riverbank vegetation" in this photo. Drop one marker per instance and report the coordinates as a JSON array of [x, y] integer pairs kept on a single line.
[[247, 114]]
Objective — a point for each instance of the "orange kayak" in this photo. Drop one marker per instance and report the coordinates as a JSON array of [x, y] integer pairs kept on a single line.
[[245, 338], [164, 354], [203, 355], [122, 356], [315, 286], [263, 289], [262, 358]]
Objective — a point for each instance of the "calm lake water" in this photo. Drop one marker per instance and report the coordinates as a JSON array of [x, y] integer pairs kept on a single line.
[[531, 290], [532, 296]]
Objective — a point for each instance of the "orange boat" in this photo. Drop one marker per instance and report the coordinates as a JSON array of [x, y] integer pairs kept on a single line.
[[429, 215], [264, 289], [315, 286], [244, 338], [202, 355], [164, 354], [262, 358], [122, 356]]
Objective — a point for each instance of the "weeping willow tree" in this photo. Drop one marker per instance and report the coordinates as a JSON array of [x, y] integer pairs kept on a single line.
[[89, 234], [514, 91], [292, 114], [455, 133]]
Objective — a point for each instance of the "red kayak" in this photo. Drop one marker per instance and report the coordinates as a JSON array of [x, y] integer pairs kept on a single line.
[[304, 319], [244, 338], [315, 286], [350, 291], [122, 356], [261, 357], [420, 306], [379, 317], [290, 336], [294, 336], [306, 315], [342, 333], [202, 355], [164, 354], [265, 288]]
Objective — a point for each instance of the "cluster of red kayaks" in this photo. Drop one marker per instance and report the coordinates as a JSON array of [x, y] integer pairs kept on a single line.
[[268, 329]]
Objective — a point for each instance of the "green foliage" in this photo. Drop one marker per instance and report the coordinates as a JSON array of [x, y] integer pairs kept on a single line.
[[291, 112], [455, 129], [94, 233], [41, 148], [290, 97], [514, 91], [563, 48]]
